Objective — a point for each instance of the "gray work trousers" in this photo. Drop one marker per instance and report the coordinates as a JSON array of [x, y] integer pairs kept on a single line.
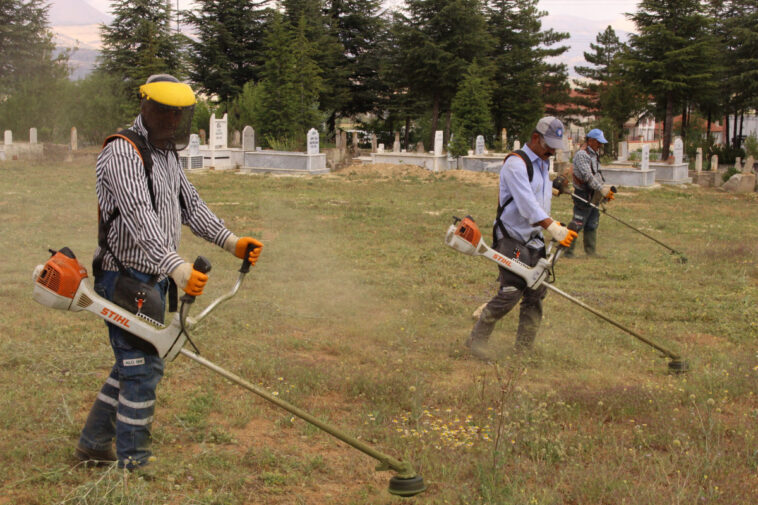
[[512, 289]]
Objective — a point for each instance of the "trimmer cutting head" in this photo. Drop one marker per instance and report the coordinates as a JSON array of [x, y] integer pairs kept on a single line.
[[679, 365], [407, 487]]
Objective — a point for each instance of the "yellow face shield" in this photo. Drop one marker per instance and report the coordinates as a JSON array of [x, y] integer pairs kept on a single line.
[[167, 109]]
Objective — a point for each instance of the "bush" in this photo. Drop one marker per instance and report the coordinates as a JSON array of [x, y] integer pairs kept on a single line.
[[727, 154]]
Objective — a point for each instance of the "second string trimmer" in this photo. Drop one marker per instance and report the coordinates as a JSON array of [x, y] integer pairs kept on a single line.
[[464, 236]]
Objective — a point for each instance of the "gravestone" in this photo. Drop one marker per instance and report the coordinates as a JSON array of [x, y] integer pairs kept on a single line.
[[479, 149], [551, 167], [516, 145], [699, 160], [313, 142], [396, 144], [420, 147], [715, 162], [194, 145], [338, 141], [8, 138], [248, 138], [373, 142], [748, 168], [504, 139], [74, 139], [201, 133], [623, 151], [236, 138], [219, 134], [438, 143], [645, 161], [678, 151], [355, 140], [380, 148], [738, 164], [343, 140], [32, 135]]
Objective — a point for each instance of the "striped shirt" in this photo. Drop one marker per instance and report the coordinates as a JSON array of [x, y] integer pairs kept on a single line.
[[587, 174], [141, 237]]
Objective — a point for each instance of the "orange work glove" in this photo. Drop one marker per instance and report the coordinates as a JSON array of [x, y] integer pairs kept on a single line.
[[238, 246], [610, 196], [189, 279], [561, 234]]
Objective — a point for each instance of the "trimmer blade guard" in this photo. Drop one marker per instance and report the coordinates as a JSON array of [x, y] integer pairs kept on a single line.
[[464, 236]]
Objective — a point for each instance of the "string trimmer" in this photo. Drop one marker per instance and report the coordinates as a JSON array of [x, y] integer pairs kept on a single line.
[[682, 257], [62, 283], [464, 236]]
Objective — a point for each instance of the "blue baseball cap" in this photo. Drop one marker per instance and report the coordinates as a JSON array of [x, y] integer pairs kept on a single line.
[[597, 134]]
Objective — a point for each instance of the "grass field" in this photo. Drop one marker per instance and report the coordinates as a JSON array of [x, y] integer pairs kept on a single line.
[[357, 312]]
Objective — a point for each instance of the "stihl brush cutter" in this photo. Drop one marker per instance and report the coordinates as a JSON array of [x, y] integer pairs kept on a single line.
[[682, 257], [464, 236], [62, 283]]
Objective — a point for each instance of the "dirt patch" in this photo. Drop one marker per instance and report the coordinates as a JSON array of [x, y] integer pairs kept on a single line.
[[391, 171]]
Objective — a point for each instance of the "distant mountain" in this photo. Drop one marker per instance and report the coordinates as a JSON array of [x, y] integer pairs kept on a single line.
[[75, 12]]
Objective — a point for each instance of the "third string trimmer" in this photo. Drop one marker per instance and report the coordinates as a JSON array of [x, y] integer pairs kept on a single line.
[[682, 257], [464, 236]]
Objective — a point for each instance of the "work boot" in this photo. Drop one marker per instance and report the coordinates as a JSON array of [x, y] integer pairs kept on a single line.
[[478, 348], [94, 456], [590, 242]]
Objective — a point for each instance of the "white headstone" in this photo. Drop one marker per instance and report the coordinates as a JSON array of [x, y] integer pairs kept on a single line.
[[355, 139], [623, 151], [438, 142], [748, 168], [313, 142], [738, 163], [678, 151], [645, 163], [516, 145], [8, 139], [194, 145], [479, 144], [248, 138], [504, 138], [32, 135], [715, 162], [396, 144], [380, 148], [699, 160], [552, 164], [74, 139], [219, 135]]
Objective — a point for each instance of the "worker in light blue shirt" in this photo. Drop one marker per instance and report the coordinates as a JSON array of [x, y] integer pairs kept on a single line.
[[523, 213]]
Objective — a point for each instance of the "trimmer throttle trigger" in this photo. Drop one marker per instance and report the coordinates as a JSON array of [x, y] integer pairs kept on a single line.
[[245, 268]]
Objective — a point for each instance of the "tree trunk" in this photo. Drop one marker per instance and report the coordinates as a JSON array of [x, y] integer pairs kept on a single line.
[[667, 126], [446, 137], [407, 136], [683, 129], [435, 117], [330, 124], [708, 131], [726, 129], [742, 121]]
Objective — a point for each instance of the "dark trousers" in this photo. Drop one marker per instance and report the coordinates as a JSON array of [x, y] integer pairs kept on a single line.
[[512, 289], [125, 405], [587, 219]]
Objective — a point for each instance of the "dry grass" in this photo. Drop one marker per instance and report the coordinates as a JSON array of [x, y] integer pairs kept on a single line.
[[357, 311]]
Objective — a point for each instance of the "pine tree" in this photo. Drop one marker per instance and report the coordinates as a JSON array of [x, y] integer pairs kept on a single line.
[[471, 110], [524, 81], [606, 90], [437, 42], [671, 57], [32, 77], [228, 52], [139, 42]]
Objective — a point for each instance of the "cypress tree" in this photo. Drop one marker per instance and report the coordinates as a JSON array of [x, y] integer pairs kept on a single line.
[[471, 110]]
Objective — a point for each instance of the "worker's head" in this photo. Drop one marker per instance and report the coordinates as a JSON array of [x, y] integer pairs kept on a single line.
[[595, 139], [167, 108], [547, 137]]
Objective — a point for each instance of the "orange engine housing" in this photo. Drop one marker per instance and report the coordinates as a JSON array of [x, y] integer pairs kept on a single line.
[[469, 231], [62, 275]]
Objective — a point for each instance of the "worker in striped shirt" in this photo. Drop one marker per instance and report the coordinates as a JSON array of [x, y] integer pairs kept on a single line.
[[144, 197]]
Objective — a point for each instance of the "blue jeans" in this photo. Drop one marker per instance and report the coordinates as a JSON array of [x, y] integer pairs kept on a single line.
[[125, 405]]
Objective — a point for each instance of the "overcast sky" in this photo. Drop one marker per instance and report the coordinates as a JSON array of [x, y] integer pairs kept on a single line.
[[610, 11]]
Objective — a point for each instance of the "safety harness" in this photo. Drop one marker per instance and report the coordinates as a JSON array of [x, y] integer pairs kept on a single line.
[[103, 227], [500, 208]]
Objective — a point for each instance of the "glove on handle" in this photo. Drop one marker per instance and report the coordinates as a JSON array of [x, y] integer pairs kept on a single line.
[[561, 234], [197, 279]]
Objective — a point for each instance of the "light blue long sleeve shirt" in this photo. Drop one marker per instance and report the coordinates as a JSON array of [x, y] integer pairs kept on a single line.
[[531, 201]]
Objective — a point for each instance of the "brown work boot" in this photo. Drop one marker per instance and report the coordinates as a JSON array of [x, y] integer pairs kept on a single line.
[[478, 348], [94, 456]]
